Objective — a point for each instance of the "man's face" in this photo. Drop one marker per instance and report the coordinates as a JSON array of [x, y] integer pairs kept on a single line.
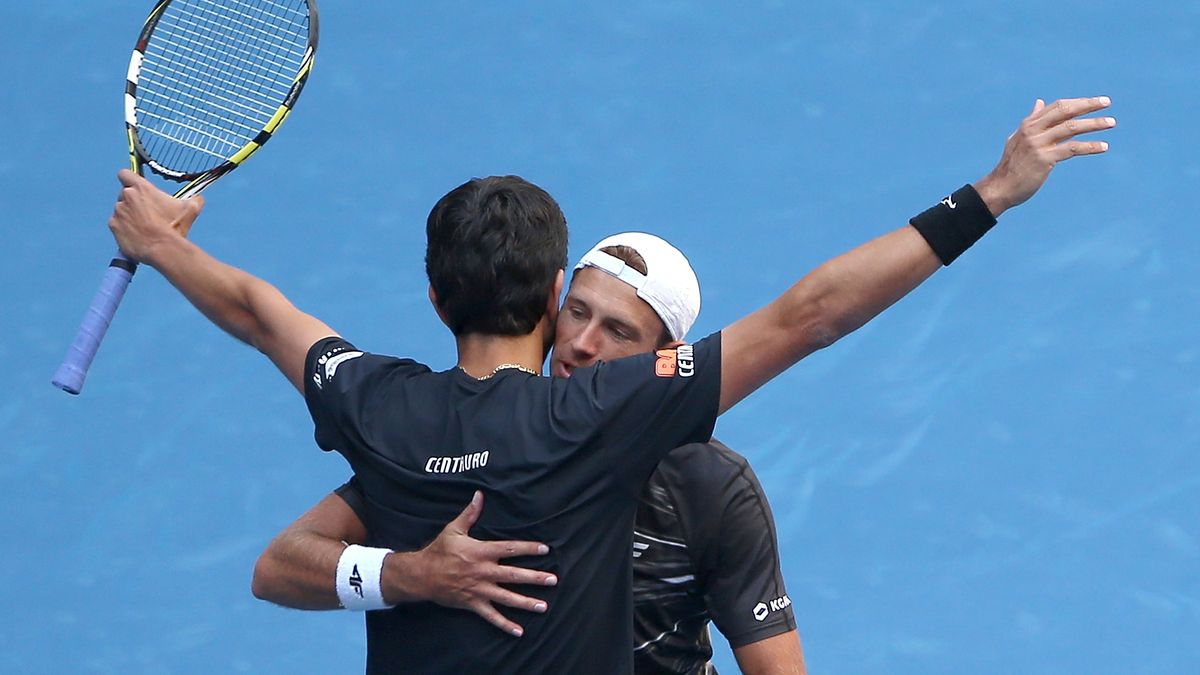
[[602, 318]]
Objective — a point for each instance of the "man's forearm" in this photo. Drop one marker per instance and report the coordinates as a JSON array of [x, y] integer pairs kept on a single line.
[[828, 303], [844, 293], [298, 570], [230, 298], [853, 288], [241, 304]]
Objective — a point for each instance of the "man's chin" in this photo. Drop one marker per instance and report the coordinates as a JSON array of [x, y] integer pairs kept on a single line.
[[560, 369]]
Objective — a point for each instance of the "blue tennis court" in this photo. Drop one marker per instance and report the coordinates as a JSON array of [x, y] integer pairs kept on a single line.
[[1000, 474]]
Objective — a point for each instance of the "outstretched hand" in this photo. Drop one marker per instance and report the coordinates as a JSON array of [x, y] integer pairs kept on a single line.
[[455, 570], [145, 216], [1044, 138]]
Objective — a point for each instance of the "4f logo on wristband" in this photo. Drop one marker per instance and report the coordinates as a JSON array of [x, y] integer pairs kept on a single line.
[[356, 581], [949, 201]]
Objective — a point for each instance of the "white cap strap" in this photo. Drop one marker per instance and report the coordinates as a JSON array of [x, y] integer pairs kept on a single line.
[[614, 266]]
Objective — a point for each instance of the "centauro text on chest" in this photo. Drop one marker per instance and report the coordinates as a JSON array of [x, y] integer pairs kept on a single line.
[[474, 460]]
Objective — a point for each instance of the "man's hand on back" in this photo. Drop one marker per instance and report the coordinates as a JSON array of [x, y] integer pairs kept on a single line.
[[455, 570]]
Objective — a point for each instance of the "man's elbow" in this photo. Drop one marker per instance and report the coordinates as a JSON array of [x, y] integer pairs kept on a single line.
[[818, 327], [810, 318], [821, 333], [831, 317], [261, 583]]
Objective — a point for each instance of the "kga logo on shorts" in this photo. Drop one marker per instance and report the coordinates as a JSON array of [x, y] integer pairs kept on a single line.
[[672, 361], [762, 609]]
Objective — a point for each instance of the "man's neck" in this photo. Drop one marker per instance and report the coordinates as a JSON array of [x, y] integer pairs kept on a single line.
[[480, 355]]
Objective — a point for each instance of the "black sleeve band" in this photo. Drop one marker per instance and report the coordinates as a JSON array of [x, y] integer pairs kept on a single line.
[[954, 223]]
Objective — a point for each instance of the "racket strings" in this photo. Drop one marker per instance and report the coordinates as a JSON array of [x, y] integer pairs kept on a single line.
[[245, 59], [213, 75]]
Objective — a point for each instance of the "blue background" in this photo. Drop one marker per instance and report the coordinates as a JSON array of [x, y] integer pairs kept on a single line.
[[998, 475]]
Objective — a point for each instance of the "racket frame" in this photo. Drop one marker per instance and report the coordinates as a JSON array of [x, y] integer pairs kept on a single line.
[[73, 371]]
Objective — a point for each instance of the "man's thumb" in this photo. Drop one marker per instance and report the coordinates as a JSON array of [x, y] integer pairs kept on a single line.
[[466, 520]]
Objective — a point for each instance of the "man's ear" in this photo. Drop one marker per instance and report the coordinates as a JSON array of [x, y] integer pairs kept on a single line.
[[555, 294], [436, 307]]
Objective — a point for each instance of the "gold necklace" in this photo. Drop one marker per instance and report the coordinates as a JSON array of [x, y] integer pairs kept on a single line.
[[504, 366]]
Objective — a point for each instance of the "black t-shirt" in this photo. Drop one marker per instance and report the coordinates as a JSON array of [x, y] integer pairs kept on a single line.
[[560, 461], [704, 548]]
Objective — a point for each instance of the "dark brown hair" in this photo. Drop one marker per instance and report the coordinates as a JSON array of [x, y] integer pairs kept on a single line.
[[494, 247]]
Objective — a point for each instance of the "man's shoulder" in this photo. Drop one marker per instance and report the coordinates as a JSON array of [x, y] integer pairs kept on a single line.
[[711, 463], [329, 353], [703, 482]]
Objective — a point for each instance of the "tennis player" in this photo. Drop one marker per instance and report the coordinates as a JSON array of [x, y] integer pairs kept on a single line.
[[704, 544], [562, 461]]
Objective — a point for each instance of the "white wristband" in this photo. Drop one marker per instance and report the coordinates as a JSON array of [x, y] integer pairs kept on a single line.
[[358, 573]]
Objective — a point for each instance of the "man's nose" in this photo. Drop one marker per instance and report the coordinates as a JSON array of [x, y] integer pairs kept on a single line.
[[587, 343]]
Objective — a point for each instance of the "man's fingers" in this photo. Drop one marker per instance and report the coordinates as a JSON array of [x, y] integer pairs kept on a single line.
[[195, 204], [127, 177], [1075, 126], [1065, 109], [498, 550], [1075, 148], [489, 614], [506, 574], [465, 520], [508, 598]]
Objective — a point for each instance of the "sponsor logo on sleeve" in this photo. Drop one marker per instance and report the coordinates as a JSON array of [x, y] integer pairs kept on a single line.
[[329, 361], [331, 366], [671, 362], [687, 363], [665, 366], [763, 609]]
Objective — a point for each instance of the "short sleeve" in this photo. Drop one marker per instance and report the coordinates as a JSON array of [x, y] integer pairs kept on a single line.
[[341, 388], [652, 403], [742, 582], [351, 493]]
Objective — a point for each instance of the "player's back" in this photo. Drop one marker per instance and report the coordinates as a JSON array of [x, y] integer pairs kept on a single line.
[[559, 461]]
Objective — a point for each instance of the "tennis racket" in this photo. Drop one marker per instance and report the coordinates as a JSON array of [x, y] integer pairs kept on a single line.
[[209, 82]]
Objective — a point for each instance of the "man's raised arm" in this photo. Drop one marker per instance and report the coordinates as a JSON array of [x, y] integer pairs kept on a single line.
[[848, 291], [151, 227]]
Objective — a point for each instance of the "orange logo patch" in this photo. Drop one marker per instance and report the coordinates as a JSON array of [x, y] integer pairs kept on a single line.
[[666, 363]]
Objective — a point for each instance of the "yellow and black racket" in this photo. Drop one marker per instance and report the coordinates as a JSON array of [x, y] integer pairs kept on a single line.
[[209, 82]]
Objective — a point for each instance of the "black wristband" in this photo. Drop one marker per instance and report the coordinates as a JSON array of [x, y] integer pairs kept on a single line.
[[954, 223]]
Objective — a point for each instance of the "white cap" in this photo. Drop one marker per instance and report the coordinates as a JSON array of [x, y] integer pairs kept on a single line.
[[670, 286]]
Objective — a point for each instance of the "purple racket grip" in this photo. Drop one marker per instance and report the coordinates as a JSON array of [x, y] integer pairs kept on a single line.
[[79, 357]]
